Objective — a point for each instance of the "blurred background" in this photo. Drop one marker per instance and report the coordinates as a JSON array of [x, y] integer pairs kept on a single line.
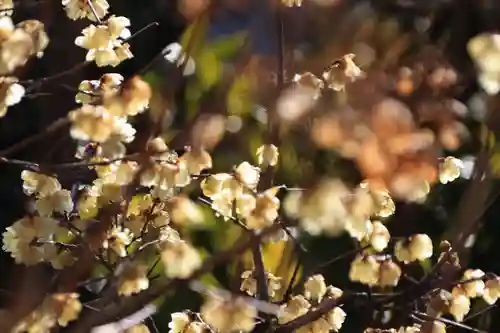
[[414, 56]]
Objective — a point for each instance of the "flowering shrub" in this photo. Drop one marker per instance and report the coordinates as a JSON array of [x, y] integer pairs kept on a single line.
[[127, 234]]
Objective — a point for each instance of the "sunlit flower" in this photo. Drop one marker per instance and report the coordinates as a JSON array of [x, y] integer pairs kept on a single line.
[[180, 259], [179, 322], [118, 239], [417, 247], [267, 155], [67, 306], [315, 287], [390, 274], [227, 316], [341, 72], [248, 175], [475, 286], [336, 318], [249, 283], [365, 269], [449, 169], [295, 307], [459, 305], [91, 123], [379, 237], [59, 201], [491, 291], [39, 184], [133, 279], [197, 161], [11, 93], [81, 9]]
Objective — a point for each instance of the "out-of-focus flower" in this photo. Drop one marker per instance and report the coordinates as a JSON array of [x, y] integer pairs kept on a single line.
[[309, 80], [11, 93], [36, 30], [418, 247], [227, 316], [59, 201], [183, 211], [267, 155], [20, 42], [92, 123], [197, 161], [491, 291], [68, 307], [322, 209], [292, 3], [341, 72], [249, 283], [39, 184], [475, 285], [180, 259], [449, 169], [365, 269], [81, 9], [133, 279], [390, 274], [459, 305], [295, 307], [484, 50], [379, 237], [5, 5]]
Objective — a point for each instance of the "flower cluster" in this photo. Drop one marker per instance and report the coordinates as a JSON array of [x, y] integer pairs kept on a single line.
[[20, 42], [105, 42], [56, 309], [332, 208], [315, 291], [249, 283], [93, 10]]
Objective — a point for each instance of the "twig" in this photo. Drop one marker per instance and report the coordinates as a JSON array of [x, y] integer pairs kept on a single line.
[[135, 303], [449, 322], [55, 126]]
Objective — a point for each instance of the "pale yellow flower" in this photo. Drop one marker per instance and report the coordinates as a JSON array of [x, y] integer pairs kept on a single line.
[[476, 287], [491, 291], [315, 287], [92, 123], [80, 9], [68, 307], [267, 155], [11, 93], [59, 201], [179, 322], [390, 273], [248, 175], [449, 169], [365, 269], [459, 304], [39, 184], [379, 237], [197, 161], [180, 259], [227, 316], [295, 307], [133, 279], [118, 239]]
